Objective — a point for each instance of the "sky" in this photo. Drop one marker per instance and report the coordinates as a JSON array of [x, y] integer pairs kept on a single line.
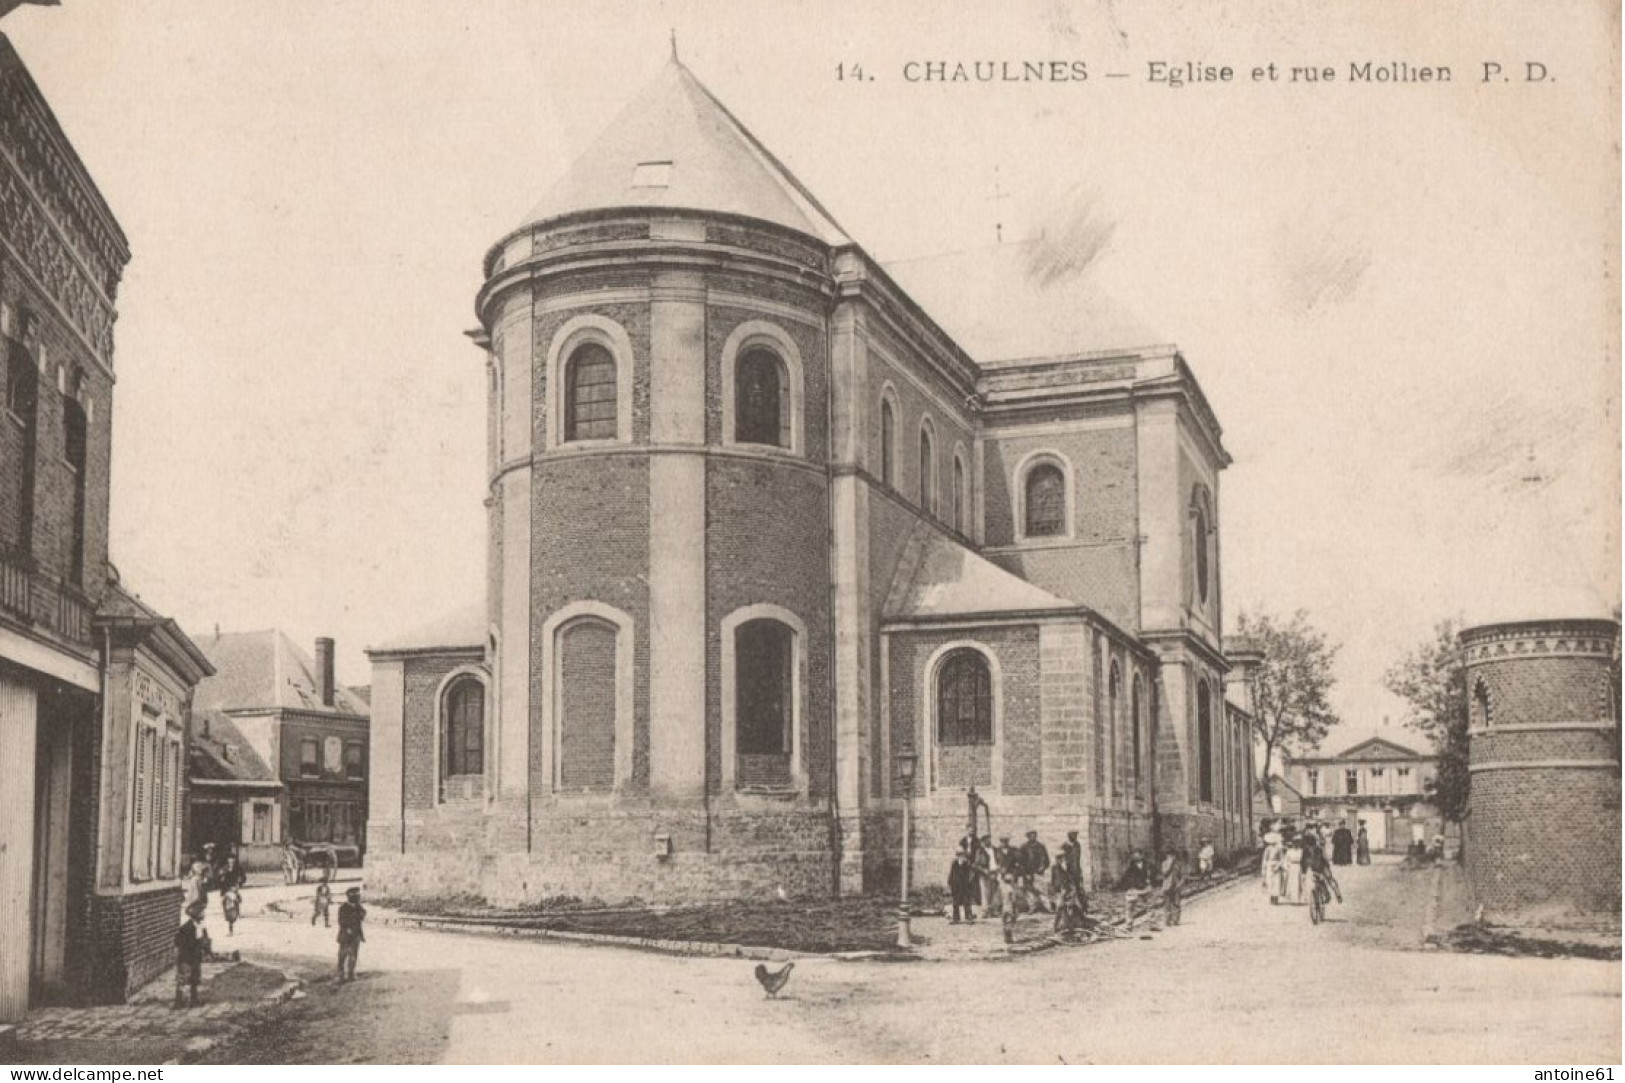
[[1400, 299]]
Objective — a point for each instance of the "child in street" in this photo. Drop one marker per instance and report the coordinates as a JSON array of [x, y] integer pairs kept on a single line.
[[351, 915], [231, 908], [191, 945], [1204, 859], [323, 900]]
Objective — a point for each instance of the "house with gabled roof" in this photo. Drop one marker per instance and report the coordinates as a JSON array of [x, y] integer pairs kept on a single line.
[[280, 751]]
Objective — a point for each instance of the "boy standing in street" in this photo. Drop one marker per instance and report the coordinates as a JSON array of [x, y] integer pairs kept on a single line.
[[319, 906], [351, 915], [191, 945]]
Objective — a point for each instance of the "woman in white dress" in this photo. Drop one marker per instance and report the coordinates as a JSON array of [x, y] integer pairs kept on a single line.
[[1294, 869], [1273, 865]]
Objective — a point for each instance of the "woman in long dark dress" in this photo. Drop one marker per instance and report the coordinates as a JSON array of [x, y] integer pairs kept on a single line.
[[1362, 846], [1342, 845]]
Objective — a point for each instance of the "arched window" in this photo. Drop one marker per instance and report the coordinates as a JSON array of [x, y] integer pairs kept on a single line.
[[463, 730], [586, 703], [1045, 501], [764, 690], [761, 400], [928, 472], [960, 503], [964, 700], [590, 403], [888, 443], [1204, 742], [1114, 699], [1137, 705], [1481, 703], [74, 446], [1201, 541]]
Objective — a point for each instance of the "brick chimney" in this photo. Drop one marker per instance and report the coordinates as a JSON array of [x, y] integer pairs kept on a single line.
[[324, 670]]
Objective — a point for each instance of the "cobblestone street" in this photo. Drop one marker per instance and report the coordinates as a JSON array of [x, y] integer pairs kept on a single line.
[[1239, 981]]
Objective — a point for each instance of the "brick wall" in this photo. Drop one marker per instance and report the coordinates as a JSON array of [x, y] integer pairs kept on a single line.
[[767, 542], [590, 542], [1543, 837], [133, 941], [1098, 565]]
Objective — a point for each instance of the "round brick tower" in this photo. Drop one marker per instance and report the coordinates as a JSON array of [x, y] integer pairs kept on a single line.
[[659, 590], [1544, 756]]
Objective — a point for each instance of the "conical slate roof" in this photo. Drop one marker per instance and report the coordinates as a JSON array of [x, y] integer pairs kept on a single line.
[[677, 146]]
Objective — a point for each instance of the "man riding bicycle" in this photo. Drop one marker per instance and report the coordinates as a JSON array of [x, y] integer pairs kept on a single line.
[[1317, 874]]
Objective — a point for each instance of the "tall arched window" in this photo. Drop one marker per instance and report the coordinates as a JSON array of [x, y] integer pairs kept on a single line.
[[761, 400], [463, 731], [888, 443], [1481, 702], [1114, 699], [1204, 742], [928, 472], [586, 703], [1045, 501], [1137, 705], [960, 503], [74, 446], [590, 403], [1201, 542], [964, 700], [764, 702]]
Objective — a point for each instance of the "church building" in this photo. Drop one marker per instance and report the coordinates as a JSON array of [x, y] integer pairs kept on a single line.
[[769, 526]]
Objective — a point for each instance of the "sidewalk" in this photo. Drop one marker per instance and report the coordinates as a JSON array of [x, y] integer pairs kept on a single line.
[[147, 1030]]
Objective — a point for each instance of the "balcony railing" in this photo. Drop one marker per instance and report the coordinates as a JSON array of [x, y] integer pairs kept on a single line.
[[32, 599]]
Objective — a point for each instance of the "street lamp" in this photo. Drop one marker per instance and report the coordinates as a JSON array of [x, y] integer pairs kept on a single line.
[[906, 760]]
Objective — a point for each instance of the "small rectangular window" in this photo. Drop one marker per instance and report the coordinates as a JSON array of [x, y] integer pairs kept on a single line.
[[352, 760], [1352, 778], [309, 758]]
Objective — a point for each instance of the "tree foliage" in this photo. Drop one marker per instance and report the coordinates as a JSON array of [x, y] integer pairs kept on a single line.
[[1432, 680], [1289, 688]]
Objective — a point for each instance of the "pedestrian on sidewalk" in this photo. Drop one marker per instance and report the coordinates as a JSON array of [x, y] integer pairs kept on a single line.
[[1362, 846], [319, 905], [351, 915], [962, 887], [191, 945]]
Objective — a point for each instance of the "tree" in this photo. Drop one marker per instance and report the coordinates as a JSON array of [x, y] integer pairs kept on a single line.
[[1432, 679], [1288, 688]]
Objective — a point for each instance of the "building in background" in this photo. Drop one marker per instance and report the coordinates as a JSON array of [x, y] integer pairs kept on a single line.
[[1376, 781], [761, 528], [281, 752], [95, 687]]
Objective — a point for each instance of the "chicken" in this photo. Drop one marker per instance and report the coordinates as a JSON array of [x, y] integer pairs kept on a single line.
[[773, 981]]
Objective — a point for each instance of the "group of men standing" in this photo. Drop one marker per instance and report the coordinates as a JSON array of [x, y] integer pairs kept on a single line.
[[1003, 878]]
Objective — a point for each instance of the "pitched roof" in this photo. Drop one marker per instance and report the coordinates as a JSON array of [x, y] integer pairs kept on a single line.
[[938, 577], [460, 629], [1378, 748], [1020, 300], [696, 155], [219, 752], [267, 670]]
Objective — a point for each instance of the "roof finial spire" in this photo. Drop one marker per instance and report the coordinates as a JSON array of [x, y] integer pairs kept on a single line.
[[674, 44]]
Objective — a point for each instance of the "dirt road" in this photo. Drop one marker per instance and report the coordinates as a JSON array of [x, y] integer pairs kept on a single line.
[[1240, 981]]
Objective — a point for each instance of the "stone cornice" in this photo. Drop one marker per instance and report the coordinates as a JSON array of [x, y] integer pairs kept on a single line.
[[1547, 639]]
